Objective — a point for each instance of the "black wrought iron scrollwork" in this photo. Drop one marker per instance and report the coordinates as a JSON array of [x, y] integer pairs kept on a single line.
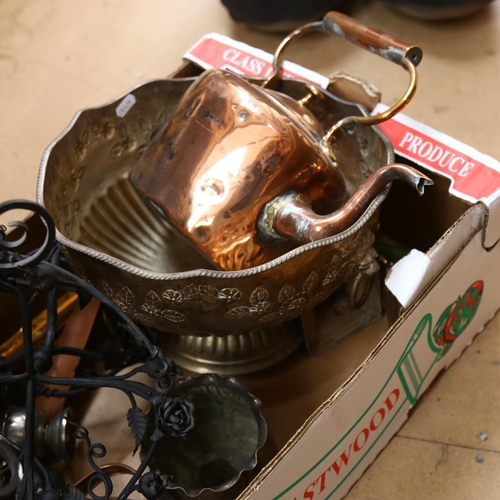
[[38, 274], [94, 451]]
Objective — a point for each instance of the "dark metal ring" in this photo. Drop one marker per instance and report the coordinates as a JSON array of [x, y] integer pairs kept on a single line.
[[356, 303]]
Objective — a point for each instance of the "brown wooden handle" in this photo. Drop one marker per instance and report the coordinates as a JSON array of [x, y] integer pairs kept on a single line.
[[75, 334], [383, 44]]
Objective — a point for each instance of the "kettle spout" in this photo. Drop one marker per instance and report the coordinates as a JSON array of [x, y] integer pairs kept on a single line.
[[294, 219]]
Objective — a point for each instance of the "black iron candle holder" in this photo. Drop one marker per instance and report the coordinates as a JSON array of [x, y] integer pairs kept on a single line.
[[40, 274]]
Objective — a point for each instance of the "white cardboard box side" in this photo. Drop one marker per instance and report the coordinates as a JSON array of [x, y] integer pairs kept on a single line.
[[331, 452], [474, 176]]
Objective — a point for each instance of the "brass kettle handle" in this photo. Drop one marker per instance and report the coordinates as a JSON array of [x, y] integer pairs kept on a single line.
[[387, 46]]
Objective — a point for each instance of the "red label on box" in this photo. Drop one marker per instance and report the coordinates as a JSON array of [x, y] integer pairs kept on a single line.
[[474, 176], [218, 51]]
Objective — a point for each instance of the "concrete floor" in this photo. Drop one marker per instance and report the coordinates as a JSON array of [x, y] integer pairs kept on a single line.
[[57, 56]]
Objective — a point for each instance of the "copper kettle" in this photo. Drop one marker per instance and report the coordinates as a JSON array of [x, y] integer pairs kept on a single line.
[[246, 173]]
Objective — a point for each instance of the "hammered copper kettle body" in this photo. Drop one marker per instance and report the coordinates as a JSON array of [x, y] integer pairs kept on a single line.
[[246, 173], [227, 149]]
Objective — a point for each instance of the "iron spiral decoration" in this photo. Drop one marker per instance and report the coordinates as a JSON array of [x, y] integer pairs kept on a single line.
[[40, 275]]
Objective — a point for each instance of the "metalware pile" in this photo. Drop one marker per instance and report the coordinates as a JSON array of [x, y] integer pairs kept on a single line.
[[190, 231]]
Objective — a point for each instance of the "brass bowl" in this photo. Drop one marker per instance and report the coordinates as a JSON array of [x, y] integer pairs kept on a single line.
[[117, 242]]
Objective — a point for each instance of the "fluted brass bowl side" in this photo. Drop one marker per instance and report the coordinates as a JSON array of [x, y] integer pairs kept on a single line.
[[118, 243], [233, 354]]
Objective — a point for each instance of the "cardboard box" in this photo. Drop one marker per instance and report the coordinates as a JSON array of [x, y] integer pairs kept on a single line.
[[445, 290]]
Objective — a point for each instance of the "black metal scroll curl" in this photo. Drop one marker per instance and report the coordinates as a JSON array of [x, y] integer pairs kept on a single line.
[[9, 258], [94, 451], [38, 274]]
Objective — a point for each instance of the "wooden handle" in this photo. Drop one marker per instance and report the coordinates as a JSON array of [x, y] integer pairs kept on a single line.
[[383, 44], [75, 334], [15, 344], [334, 23]]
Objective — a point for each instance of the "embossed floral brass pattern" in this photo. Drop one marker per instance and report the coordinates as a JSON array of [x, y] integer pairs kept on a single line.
[[205, 304]]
